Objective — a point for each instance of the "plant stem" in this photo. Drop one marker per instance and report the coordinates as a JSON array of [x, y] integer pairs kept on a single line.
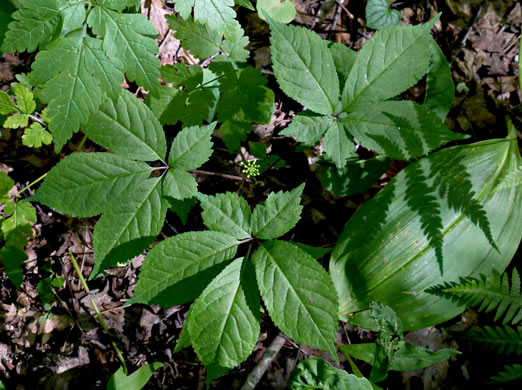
[[232, 177], [33, 183], [36, 119], [259, 370], [355, 369], [97, 311]]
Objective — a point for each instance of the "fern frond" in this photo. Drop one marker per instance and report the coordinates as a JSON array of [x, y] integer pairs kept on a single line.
[[511, 373], [501, 339], [491, 292]]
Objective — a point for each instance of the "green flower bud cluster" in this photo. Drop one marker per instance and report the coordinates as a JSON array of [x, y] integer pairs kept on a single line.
[[250, 168]]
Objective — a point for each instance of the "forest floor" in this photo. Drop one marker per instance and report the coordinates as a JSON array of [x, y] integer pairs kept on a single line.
[[71, 351]]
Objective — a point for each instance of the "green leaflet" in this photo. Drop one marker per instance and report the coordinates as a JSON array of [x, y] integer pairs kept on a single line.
[[117, 5], [224, 320], [181, 207], [179, 184], [315, 373], [184, 340], [16, 120], [282, 12], [24, 98], [176, 270], [501, 339], [388, 64], [135, 381], [86, 184], [192, 147], [302, 304], [6, 104], [440, 89], [18, 225], [511, 373], [217, 14], [439, 219], [130, 36], [73, 14], [69, 86], [338, 144], [129, 226], [12, 259], [203, 41], [402, 130], [304, 67], [408, 356], [379, 14], [36, 23], [6, 183], [126, 126], [343, 58], [5, 19], [227, 213], [277, 215]]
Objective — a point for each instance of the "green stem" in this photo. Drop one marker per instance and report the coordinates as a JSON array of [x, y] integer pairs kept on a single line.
[[32, 184], [97, 311], [355, 369]]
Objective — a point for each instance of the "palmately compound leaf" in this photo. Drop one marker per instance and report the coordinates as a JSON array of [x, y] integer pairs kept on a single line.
[[402, 130], [388, 64], [298, 293], [179, 184], [127, 228], [227, 213], [131, 37], [35, 135], [441, 218], [315, 373], [36, 23], [408, 356], [277, 215], [224, 320], [304, 67], [135, 381], [127, 126], [176, 270], [379, 14], [192, 147], [86, 184], [73, 92]]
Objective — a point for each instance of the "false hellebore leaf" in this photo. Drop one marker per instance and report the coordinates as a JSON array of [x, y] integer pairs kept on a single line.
[[455, 213], [401, 130]]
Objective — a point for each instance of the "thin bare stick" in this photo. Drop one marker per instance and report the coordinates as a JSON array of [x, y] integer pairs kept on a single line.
[[232, 177], [259, 370]]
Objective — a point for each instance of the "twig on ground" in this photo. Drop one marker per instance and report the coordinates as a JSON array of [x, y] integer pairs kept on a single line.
[[259, 370]]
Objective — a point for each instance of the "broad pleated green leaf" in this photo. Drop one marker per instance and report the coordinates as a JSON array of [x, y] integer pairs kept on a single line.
[[408, 357], [453, 214], [176, 270], [277, 215], [127, 126], [227, 213], [224, 320], [379, 14], [398, 129], [131, 38], [36, 23], [192, 147], [86, 184], [315, 373], [128, 227], [388, 64], [304, 67], [440, 89], [298, 294], [179, 184], [73, 92], [135, 381]]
